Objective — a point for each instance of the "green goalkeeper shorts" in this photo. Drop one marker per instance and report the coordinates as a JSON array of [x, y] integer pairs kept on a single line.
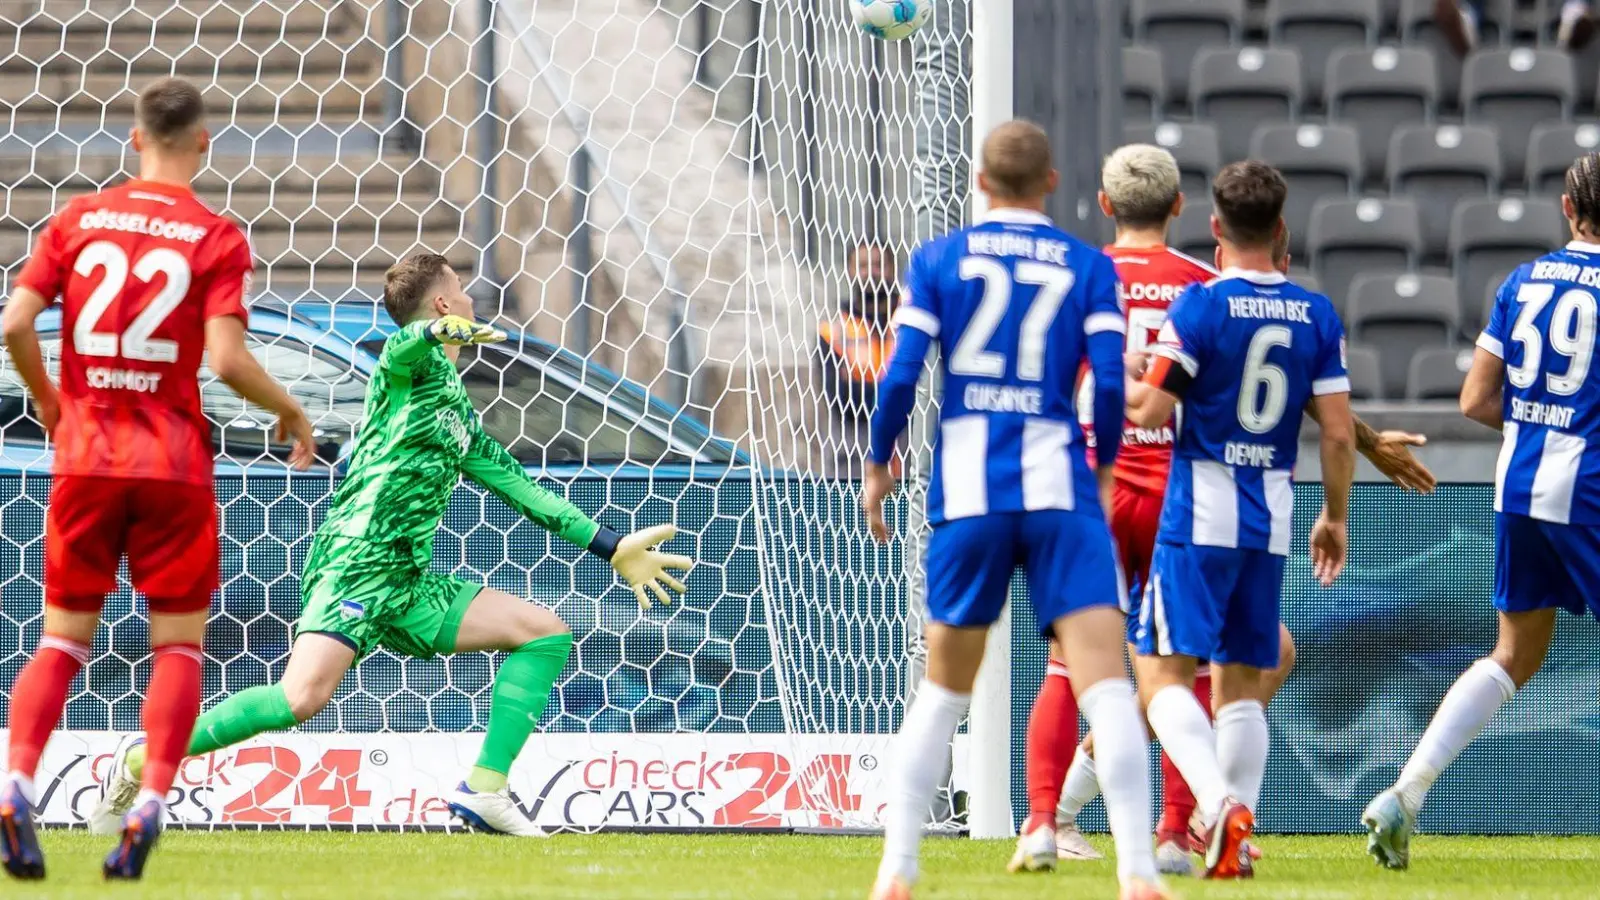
[[368, 595]]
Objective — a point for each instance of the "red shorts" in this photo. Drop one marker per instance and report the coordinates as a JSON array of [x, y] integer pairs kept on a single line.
[[1135, 519], [167, 529]]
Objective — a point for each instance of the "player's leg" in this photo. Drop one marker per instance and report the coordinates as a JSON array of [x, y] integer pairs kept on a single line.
[[1247, 650], [1273, 679], [1082, 784], [538, 644], [83, 544], [969, 563], [1180, 625], [1052, 738], [1531, 582], [1076, 584]]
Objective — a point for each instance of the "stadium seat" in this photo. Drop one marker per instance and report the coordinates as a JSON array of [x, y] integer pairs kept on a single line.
[[1177, 29], [1317, 161], [1437, 373], [1418, 29], [1304, 277], [1192, 144], [1348, 238], [1377, 91], [1236, 88], [1388, 19], [1437, 166], [1144, 88], [1515, 90], [1397, 314], [1491, 236], [1551, 150], [1366, 381], [1316, 29], [1191, 233]]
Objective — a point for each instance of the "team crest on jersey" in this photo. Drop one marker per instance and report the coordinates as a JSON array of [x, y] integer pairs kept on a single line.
[[451, 422], [351, 609]]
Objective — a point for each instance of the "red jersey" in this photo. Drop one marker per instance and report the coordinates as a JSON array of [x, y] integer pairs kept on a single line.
[[138, 268], [1148, 280]]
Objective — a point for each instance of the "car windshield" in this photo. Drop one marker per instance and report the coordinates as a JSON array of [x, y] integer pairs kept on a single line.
[[544, 421]]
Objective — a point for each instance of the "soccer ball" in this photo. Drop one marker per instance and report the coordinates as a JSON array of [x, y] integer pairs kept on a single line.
[[891, 20]]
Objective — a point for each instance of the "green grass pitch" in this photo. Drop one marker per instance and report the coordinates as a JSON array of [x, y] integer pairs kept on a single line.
[[256, 866]]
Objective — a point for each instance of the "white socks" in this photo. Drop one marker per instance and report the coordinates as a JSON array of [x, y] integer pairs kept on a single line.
[[1081, 786], [26, 784], [1242, 740], [1185, 733], [919, 765], [1472, 700], [1112, 712]]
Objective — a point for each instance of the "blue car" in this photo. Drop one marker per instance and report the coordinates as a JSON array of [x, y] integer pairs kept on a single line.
[[601, 439]]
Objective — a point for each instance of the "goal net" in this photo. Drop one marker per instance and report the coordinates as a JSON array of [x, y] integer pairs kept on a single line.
[[705, 201]]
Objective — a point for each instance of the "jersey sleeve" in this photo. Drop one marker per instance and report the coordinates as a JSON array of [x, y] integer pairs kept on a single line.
[[1105, 328], [407, 347], [1493, 338], [1184, 336], [1332, 374], [491, 465], [44, 273], [919, 302], [230, 274]]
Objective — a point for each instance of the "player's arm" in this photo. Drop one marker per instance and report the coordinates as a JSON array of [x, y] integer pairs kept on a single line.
[[238, 368], [1330, 400], [1390, 453], [916, 324], [22, 342], [634, 556], [1481, 393], [411, 343], [1105, 331]]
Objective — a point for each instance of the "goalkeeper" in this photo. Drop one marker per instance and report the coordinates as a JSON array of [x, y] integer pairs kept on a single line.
[[366, 582]]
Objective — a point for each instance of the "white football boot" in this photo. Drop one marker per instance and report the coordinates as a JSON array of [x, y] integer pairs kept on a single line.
[[1036, 851], [1071, 844], [494, 813], [118, 790]]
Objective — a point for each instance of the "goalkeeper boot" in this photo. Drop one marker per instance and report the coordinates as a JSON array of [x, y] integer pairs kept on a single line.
[[118, 789], [492, 813], [141, 828], [1225, 842], [1389, 826], [1036, 850], [1071, 844], [19, 843]]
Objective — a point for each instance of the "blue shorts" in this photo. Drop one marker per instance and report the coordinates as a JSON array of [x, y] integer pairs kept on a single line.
[[1067, 558], [1212, 603], [1544, 565]]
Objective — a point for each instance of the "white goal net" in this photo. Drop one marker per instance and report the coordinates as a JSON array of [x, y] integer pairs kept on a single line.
[[705, 201]]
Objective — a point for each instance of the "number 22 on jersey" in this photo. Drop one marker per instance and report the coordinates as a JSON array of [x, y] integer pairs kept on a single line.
[[135, 342]]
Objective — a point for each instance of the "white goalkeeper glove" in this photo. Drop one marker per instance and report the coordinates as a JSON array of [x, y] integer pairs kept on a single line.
[[456, 331], [644, 568]]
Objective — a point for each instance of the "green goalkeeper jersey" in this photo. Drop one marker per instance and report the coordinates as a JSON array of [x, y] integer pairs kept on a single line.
[[420, 435]]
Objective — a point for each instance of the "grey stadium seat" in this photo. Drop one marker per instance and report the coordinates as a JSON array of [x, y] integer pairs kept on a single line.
[[1303, 276], [1144, 88], [1437, 373], [1418, 29], [1351, 237], [1513, 91], [1551, 150], [1317, 161], [1378, 90], [1191, 233], [1366, 380], [1491, 236], [1438, 165], [1192, 144], [1177, 29], [1397, 314], [1316, 29], [1235, 89]]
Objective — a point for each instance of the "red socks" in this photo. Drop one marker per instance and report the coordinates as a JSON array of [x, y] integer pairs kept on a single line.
[[1052, 739], [172, 703], [38, 697], [1177, 801]]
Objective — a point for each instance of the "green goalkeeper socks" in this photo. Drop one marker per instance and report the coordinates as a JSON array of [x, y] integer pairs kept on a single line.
[[521, 690], [238, 718]]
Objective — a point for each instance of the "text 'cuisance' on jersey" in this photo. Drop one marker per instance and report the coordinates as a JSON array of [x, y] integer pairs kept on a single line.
[[1544, 325], [1256, 348], [139, 268], [1011, 301]]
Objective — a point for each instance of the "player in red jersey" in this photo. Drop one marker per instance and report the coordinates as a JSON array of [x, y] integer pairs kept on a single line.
[[149, 281], [1140, 192]]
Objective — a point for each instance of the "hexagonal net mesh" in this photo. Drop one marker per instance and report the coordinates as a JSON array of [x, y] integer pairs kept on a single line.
[[707, 199]]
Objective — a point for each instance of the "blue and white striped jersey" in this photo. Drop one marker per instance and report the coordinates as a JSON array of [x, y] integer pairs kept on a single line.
[[1013, 303], [1256, 348], [1543, 326]]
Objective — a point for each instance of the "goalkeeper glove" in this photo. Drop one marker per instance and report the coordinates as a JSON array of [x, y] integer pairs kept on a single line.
[[644, 568], [457, 331]]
